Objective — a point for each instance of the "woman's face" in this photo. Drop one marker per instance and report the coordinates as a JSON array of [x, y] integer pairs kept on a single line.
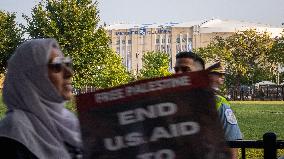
[[60, 73]]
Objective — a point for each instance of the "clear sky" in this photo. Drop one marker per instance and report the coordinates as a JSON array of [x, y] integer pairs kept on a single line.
[[160, 11]]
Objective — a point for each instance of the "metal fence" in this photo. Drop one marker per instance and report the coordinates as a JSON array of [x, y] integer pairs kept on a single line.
[[85, 89], [262, 92], [269, 144]]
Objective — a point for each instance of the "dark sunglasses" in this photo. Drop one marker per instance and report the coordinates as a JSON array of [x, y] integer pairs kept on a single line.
[[221, 75], [58, 63], [182, 69], [217, 74]]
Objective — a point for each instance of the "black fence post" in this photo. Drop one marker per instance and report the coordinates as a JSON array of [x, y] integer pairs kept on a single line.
[[270, 150], [243, 153], [277, 93], [267, 92], [282, 92]]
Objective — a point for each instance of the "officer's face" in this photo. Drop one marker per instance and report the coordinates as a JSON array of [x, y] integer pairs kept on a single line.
[[187, 65], [217, 78]]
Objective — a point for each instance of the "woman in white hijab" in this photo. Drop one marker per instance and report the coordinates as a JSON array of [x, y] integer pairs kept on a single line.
[[36, 86]]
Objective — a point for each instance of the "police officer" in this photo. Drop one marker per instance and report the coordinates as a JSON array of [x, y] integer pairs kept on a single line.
[[228, 119], [189, 62]]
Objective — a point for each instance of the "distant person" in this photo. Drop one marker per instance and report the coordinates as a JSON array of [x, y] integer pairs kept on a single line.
[[190, 62], [36, 86]]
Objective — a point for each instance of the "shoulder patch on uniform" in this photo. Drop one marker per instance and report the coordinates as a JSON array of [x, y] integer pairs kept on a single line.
[[230, 116]]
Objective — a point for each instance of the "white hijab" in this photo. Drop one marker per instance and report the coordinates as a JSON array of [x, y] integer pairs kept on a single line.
[[36, 116]]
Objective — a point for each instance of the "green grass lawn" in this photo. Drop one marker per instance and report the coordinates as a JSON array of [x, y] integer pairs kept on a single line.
[[258, 117], [254, 117], [2, 108]]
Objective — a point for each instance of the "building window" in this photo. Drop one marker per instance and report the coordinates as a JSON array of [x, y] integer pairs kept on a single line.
[[163, 41], [163, 48], [129, 42], [178, 48], [118, 49], [123, 41], [168, 48], [157, 41], [157, 48], [117, 42], [128, 62], [178, 40], [184, 48], [128, 49]]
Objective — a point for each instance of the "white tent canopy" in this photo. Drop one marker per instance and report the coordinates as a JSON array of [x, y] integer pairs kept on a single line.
[[264, 83]]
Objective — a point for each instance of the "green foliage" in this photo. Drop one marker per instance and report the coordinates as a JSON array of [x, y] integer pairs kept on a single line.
[[245, 55], [11, 37], [155, 64], [252, 76], [75, 25], [3, 108], [277, 51]]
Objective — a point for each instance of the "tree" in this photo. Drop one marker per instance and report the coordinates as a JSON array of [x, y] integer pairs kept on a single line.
[[74, 23], [155, 64], [277, 52], [245, 54], [276, 55], [11, 37]]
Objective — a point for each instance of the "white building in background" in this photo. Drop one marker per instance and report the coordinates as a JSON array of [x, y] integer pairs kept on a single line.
[[130, 41]]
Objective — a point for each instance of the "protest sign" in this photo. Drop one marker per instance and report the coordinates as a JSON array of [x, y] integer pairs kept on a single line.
[[163, 118]]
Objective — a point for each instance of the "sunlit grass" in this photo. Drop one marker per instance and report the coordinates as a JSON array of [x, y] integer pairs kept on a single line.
[[258, 117], [257, 103]]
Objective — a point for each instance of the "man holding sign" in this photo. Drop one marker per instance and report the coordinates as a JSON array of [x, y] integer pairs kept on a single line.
[[146, 120], [190, 62]]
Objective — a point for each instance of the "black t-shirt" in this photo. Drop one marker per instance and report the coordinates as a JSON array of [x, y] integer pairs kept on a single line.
[[13, 149]]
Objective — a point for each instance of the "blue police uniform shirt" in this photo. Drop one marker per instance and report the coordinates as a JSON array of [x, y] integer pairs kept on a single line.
[[229, 123]]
